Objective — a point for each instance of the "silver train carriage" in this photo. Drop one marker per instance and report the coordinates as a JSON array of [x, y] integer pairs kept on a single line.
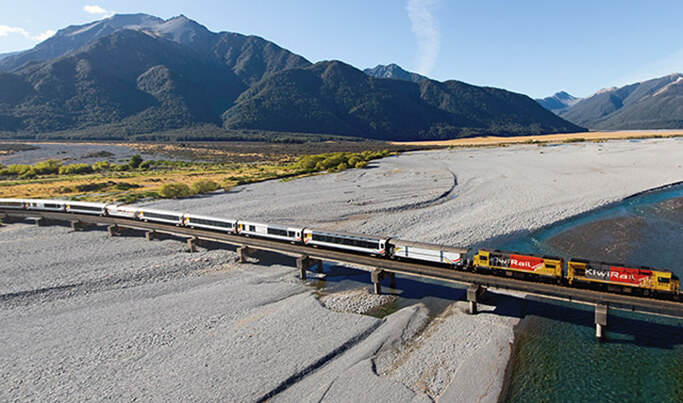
[[340, 240], [161, 216], [273, 231], [210, 223]]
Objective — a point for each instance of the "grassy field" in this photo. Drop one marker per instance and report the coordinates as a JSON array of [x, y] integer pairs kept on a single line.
[[548, 138], [191, 169]]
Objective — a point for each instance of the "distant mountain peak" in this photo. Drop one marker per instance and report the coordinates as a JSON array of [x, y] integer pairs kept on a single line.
[[650, 104], [393, 71], [558, 102]]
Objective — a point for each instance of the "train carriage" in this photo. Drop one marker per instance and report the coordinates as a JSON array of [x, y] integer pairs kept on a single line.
[[620, 278], [15, 204], [86, 208], [425, 252], [45, 205], [210, 223], [341, 240], [273, 231], [524, 264], [116, 210], [161, 216]]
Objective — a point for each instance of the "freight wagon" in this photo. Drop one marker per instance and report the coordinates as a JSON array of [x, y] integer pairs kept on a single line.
[[426, 252]]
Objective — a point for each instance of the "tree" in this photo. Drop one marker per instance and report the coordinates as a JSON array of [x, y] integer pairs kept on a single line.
[[135, 161], [174, 190]]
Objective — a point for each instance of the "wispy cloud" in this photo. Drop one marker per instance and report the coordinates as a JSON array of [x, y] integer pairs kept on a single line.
[[425, 27], [6, 30]]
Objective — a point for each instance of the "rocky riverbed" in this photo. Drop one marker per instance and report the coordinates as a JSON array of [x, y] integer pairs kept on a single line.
[[84, 316]]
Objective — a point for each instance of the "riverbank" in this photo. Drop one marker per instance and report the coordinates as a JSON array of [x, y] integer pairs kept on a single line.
[[212, 329]]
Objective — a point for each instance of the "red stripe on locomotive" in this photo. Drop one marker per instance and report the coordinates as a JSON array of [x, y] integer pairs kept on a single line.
[[530, 263], [629, 276]]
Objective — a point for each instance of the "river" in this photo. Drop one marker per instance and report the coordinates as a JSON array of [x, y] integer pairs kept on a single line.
[[556, 356]]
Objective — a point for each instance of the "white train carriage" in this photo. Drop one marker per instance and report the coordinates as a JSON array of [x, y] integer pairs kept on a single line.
[[86, 208], [116, 210], [426, 252], [162, 216], [211, 223], [274, 231], [45, 205], [341, 240], [15, 204]]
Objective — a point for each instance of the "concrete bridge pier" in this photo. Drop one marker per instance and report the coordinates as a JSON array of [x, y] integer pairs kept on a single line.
[[377, 276], [474, 292], [304, 262], [601, 321], [150, 235], [192, 244], [242, 253], [113, 230]]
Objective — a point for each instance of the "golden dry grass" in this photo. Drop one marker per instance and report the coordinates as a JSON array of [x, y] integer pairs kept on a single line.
[[548, 138]]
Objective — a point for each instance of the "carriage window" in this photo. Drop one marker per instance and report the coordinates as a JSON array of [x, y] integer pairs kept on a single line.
[[252, 228]]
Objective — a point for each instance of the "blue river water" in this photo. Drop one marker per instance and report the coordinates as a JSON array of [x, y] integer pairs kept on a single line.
[[556, 356]]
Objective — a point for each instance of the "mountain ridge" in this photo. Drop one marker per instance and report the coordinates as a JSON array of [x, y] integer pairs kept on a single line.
[[650, 104], [140, 74]]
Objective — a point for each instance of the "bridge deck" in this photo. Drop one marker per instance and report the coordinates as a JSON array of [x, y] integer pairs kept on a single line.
[[370, 263]]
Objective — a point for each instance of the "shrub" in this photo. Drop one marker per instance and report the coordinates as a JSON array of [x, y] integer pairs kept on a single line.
[[361, 164], [74, 169], [145, 165], [90, 187], [126, 186], [174, 190], [101, 166], [135, 161], [47, 167], [19, 169], [204, 186]]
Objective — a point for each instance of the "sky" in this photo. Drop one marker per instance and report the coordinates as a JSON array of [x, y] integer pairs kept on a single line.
[[535, 47]]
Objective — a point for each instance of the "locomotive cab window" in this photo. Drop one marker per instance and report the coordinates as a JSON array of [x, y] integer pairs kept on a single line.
[[252, 228], [663, 280]]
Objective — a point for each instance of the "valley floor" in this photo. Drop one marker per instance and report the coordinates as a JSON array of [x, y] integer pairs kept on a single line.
[[84, 316]]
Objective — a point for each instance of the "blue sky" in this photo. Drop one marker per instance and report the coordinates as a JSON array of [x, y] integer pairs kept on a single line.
[[535, 47]]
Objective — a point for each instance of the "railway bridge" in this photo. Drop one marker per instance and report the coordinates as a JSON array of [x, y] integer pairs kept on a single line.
[[380, 268]]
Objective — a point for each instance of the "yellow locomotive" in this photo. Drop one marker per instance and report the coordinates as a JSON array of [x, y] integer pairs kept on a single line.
[[527, 264], [615, 277]]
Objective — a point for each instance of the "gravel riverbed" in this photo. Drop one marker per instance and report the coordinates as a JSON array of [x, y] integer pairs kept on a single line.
[[84, 316]]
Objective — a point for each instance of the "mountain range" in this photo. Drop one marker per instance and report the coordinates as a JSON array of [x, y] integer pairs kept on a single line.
[[651, 104], [136, 74]]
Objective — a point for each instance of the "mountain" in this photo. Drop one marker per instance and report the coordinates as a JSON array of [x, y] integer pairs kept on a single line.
[[395, 72], [136, 75], [76, 36], [249, 56], [652, 104], [333, 97], [559, 102]]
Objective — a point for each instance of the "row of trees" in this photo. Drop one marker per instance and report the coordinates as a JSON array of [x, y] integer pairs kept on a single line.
[[56, 167]]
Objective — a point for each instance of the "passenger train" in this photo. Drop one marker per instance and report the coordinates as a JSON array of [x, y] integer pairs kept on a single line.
[[642, 281]]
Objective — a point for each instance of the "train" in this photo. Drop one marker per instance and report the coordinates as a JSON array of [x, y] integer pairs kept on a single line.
[[580, 273]]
